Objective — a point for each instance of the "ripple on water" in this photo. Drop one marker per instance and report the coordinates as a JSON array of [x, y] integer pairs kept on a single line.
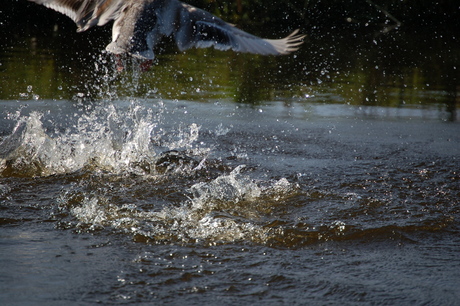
[[126, 169]]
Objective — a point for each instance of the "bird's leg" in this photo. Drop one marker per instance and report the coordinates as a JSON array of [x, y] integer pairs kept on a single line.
[[119, 63], [146, 65]]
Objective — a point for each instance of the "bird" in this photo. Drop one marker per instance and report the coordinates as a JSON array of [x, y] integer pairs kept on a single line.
[[139, 25]]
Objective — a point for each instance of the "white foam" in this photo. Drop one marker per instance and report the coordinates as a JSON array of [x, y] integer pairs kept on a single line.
[[222, 210]]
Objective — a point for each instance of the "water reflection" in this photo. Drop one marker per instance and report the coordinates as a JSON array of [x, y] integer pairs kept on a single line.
[[397, 69]]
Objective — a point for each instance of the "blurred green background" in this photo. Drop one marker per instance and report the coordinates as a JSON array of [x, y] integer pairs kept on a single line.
[[361, 52]]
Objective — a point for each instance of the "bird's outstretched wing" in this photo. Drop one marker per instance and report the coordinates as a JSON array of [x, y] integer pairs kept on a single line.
[[139, 24], [86, 13], [198, 28]]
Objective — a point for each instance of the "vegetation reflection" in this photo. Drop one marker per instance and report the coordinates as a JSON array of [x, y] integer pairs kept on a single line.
[[49, 60]]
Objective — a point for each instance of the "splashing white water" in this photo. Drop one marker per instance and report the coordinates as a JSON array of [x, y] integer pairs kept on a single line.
[[110, 143], [225, 209], [106, 137]]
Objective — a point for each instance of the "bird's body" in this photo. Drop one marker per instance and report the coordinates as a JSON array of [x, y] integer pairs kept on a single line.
[[140, 24]]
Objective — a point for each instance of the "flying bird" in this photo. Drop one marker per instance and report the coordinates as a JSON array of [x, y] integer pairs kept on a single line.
[[139, 25]]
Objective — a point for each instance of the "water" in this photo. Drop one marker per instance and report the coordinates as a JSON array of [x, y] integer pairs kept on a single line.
[[321, 178]]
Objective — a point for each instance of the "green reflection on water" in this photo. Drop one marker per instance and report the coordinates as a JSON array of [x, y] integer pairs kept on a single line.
[[388, 70]]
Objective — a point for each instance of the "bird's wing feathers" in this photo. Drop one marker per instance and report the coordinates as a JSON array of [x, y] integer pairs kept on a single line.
[[190, 26], [86, 13], [198, 28]]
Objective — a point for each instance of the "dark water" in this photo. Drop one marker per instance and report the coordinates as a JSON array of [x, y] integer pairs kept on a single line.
[[327, 177]]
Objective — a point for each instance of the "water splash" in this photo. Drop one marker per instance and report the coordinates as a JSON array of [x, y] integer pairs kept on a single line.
[[29, 151], [134, 172], [101, 146], [106, 138], [226, 209]]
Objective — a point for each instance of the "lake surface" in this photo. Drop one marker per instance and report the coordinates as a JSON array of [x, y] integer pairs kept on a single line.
[[331, 176]]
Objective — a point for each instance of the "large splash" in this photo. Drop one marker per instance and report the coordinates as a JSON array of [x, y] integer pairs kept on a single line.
[[102, 137], [149, 171], [133, 172]]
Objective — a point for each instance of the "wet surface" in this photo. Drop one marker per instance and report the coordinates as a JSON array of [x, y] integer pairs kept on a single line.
[[326, 177], [276, 203]]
